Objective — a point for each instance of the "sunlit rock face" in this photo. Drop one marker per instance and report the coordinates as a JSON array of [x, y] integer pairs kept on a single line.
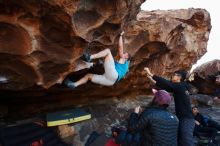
[[205, 76], [41, 42]]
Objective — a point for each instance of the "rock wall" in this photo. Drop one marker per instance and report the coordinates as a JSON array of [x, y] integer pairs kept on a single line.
[[205, 75], [41, 43]]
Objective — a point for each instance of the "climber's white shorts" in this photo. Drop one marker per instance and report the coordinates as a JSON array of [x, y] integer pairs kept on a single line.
[[109, 77]]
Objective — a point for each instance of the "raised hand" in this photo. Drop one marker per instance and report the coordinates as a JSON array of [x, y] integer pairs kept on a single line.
[[122, 33], [148, 71], [137, 109]]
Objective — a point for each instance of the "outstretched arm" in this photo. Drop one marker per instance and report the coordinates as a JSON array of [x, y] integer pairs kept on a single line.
[[149, 75], [120, 45], [159, 81]]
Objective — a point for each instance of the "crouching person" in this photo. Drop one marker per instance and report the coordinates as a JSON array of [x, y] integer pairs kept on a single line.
[[156, 125]]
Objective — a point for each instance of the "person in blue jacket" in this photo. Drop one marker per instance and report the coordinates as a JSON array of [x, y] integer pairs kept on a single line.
[[204, 121], [155, 124], [115, 70]]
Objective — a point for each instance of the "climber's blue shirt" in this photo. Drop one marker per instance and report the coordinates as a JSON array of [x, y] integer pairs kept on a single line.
[[122, 69]]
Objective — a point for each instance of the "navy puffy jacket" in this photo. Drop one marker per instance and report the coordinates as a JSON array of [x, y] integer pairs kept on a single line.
[[157, 126]]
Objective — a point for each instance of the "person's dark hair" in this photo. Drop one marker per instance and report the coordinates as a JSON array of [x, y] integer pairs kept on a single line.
[[182, 73], [194, 107]]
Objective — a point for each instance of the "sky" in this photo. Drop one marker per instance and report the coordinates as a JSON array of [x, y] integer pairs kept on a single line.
[[213, 51]]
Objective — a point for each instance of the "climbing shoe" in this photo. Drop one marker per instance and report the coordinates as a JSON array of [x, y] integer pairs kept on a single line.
[[69, 84], [100, 62], [86, 58]]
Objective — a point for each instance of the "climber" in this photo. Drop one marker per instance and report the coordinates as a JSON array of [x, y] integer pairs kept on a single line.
[[114, 70], [182, 103]]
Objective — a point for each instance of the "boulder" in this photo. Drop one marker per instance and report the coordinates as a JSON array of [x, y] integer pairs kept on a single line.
[[66, 133], [205, 76], [41, 43], [202, 99]]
